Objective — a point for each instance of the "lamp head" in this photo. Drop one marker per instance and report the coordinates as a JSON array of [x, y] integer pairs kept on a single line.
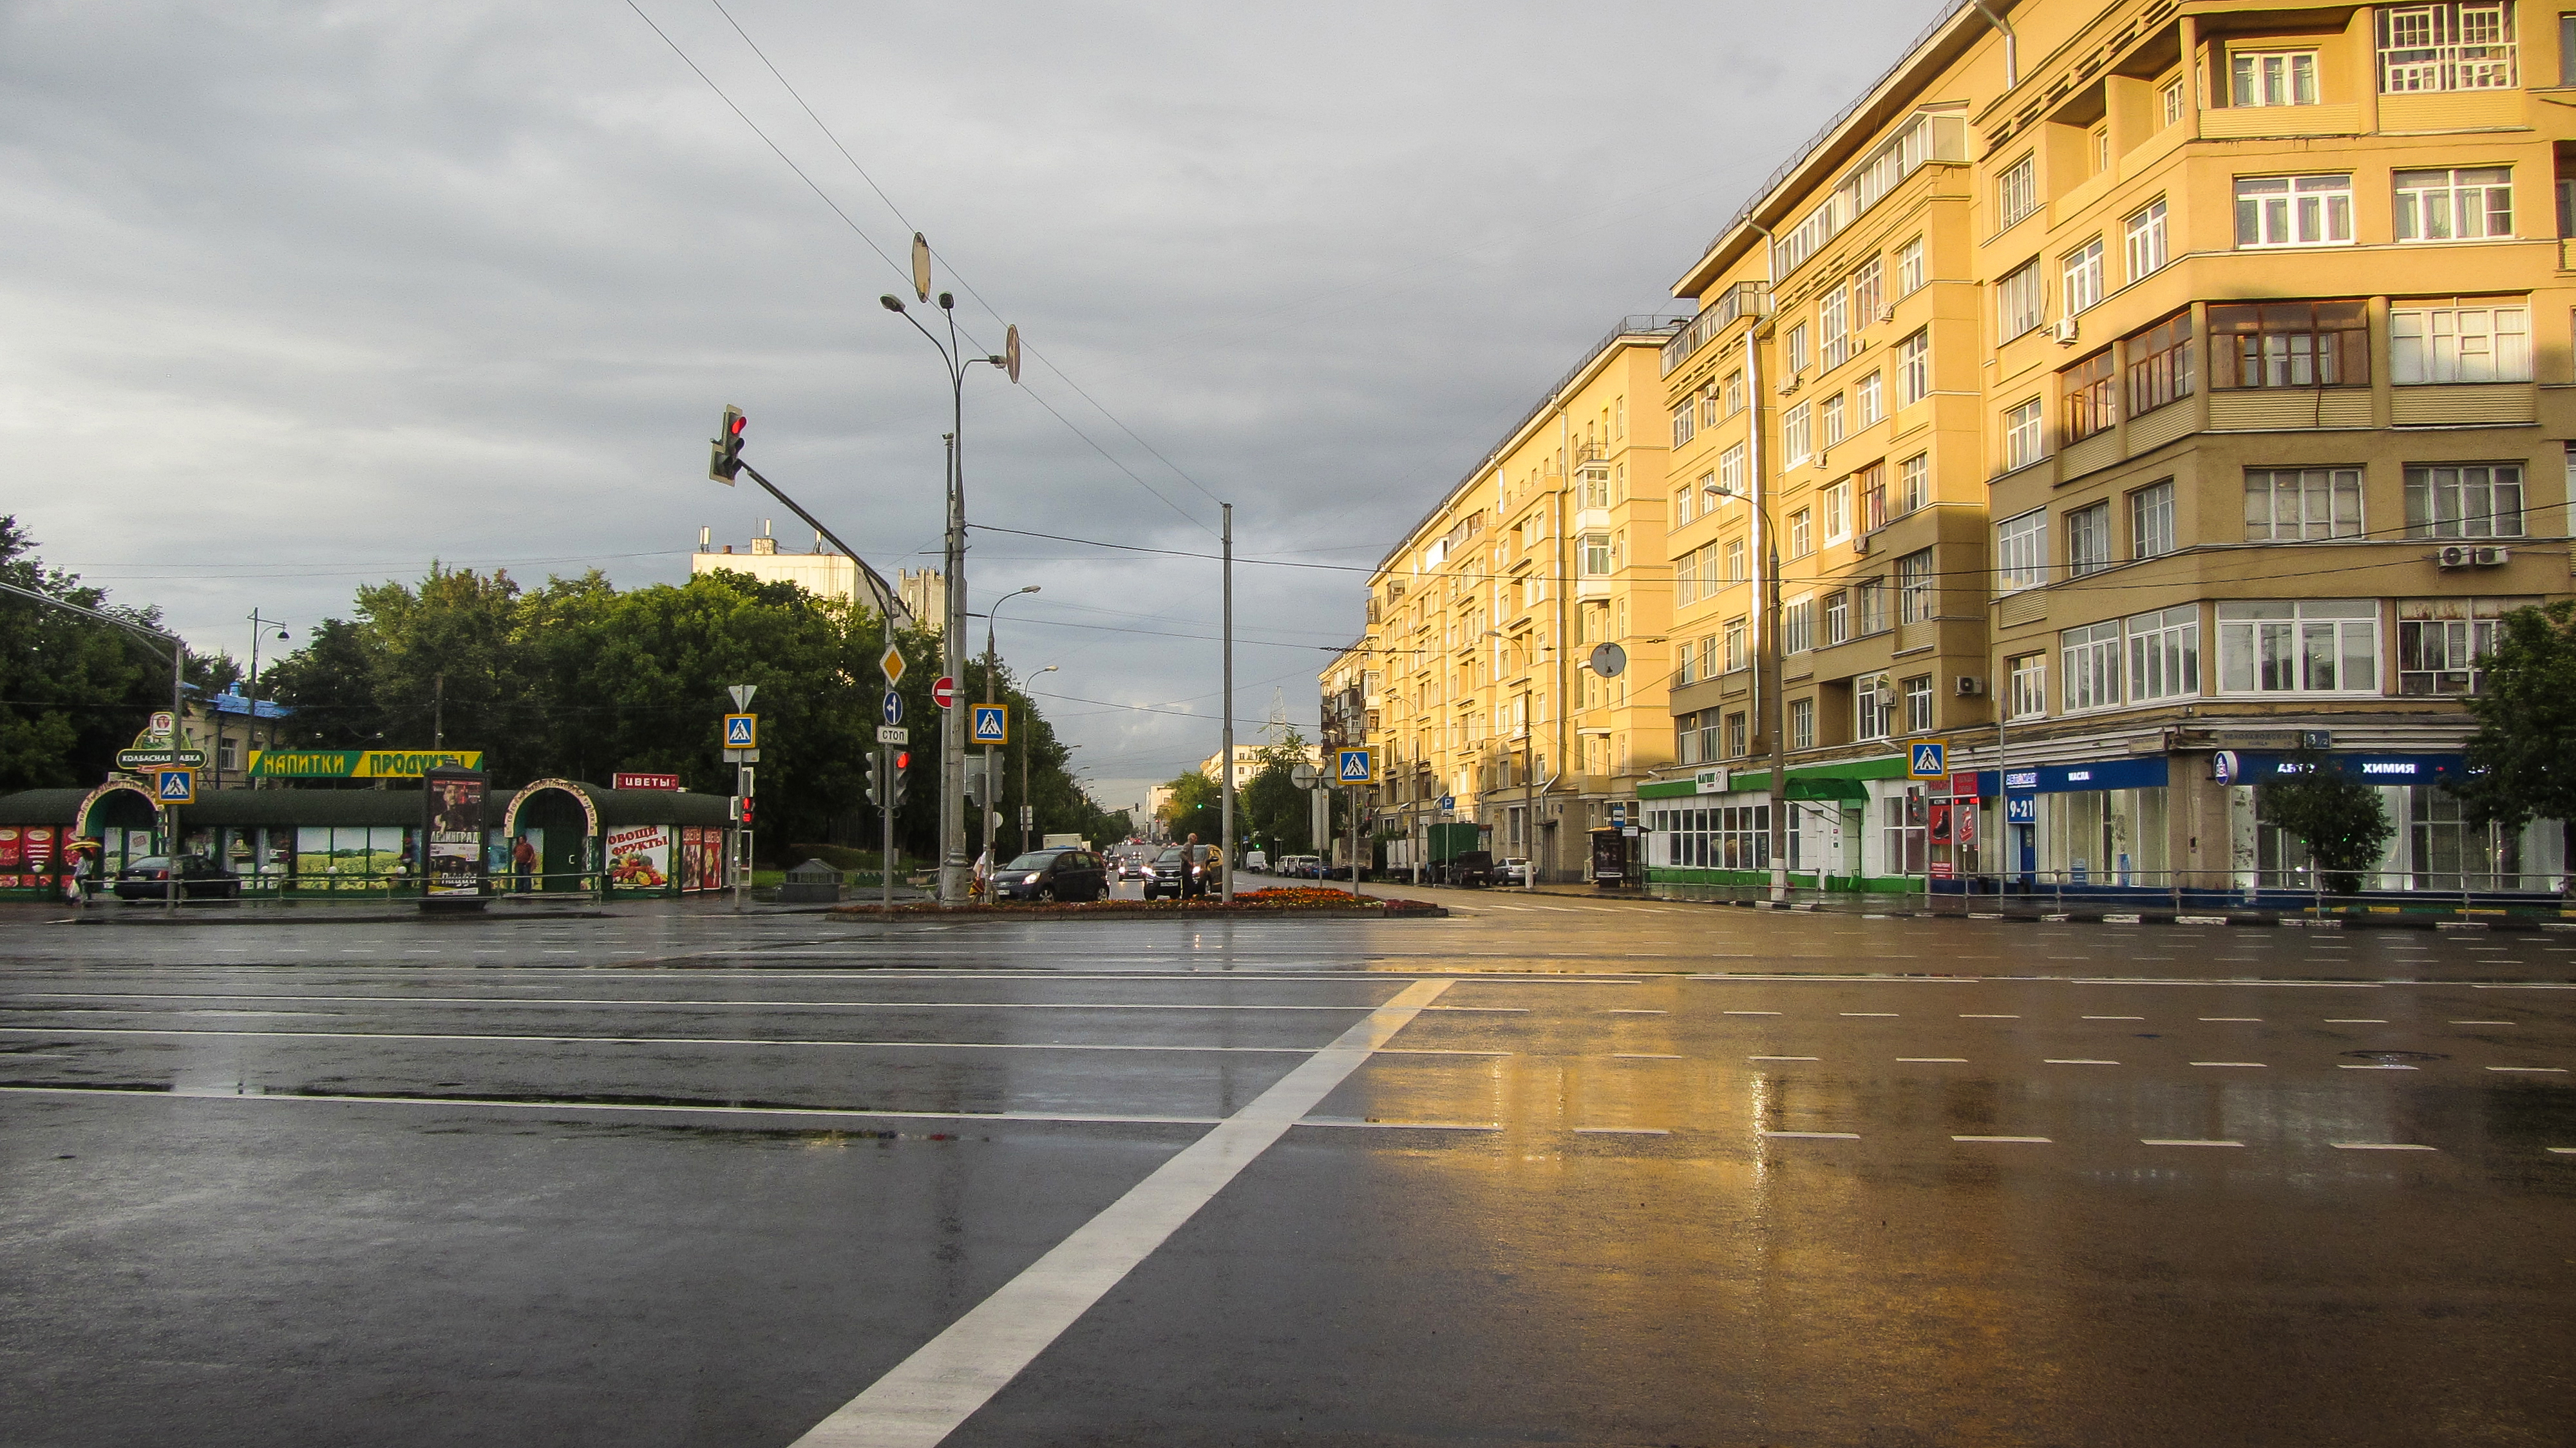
[[890, 302], [1032, 588], [947, 301]]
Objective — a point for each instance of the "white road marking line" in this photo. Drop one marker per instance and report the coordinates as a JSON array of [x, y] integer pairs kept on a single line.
[[2115, 1018], [1751, 1013], [925, 1397], [1876, 1015], [1400, 1125], [2180, 1141], [2378, 1146], [484, 1103], [2257, 1065], [2008, 1140], [1989, 1018], [1633, 1011], [1621, 1131], [2545, 1070], [2480, 1023], [2560, 1150], [2349, 1066], [1641, 1056], [2077, 1061], [1932, 1060], [2358, 1021], [1812, 1135], [667, 1040], [1783, 1058], [695, 1004], [2242, 1020]]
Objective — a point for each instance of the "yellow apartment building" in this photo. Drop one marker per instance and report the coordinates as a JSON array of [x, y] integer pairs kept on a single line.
[[2124, 396], [1473, 677]]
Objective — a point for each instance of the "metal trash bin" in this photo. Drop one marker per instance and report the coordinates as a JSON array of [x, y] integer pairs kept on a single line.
[[811, 883]]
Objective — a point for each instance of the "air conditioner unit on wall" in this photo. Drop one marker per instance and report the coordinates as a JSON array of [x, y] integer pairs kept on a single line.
[[2491, 557], [1969, 686], [1788, 384], [2064, 331], [2463, 555], [1886, 315]]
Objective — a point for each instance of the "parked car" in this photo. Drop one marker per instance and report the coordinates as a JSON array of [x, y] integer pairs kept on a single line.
[[1256, 861], [1471, 867], [1333, 872], [198, 877], [1170, 874], [1514, 870], [1052, 875], [1299, 867]]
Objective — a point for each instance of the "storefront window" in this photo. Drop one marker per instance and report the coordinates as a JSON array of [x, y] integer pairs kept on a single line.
[[2449, 854], [1903, 820]]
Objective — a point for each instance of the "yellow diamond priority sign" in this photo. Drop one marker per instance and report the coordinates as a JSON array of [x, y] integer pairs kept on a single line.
[[891, 665]]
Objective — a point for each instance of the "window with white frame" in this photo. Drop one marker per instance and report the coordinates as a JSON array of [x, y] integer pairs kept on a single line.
[[1798, 352], [1685, 423], [1798, 626], [1797, 436], [1910, 275], [1915, 599], [2088, 539], [1914, 368], [1874, 708], [1681, 506], [1802, 723], [1686, 580], [2169, 100], [2459, 344], [2464, 500], [1688, 672], [1736, 744], [1832, 411], [2442, 643], [2021, 551], [1534, 590], [2293, 210], [1918, 704], [2164, 653], [1914, 482], [1735, 571], [2026, 686], [1869, 402], [1595, 553], [2447, 47], [2146, 244], [2081, 274], [2089, 663], [2022, 436], [1869, 602], [1736, 657], [1732, 391], [1802, 532], [1834, 501], [1837, 618], [2290, 505], [1730, 472], [2272, 78], [2299, 646], [1833, 325], [2016, 192], [2019, 303], [2151, 520], [2462, 205], [1868, 294]]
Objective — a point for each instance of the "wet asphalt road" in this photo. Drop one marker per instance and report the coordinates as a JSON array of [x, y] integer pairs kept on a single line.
[[1637, 1174]]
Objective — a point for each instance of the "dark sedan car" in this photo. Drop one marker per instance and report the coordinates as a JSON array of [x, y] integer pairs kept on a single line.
[[199, 878], [1169, 874], [1052, 875]]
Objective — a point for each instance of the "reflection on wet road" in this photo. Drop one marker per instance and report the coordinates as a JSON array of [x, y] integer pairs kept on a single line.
[[1630, 1174]]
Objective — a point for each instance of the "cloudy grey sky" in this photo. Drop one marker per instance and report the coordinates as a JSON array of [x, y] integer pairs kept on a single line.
[[301, 297]]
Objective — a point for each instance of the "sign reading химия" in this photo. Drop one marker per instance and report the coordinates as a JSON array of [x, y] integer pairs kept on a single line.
[[359, 763]]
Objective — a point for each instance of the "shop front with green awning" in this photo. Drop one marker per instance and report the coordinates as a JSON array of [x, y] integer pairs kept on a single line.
[[1714, 828]]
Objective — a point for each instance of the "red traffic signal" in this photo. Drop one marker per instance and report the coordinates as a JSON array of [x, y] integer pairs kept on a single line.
[[726, 460], [903, 759]]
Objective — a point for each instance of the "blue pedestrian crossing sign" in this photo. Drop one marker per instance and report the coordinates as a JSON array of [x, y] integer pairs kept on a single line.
[[992, 724], [1355, 766], [175, 786], [1927, 759], [742, 731], [893, 710]]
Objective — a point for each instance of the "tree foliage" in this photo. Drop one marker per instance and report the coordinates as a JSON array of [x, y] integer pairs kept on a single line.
[[1196, 807], [2522, 760], [2341, 819], [1275, 813]]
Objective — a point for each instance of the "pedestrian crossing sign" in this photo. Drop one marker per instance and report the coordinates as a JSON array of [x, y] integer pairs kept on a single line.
[[742, 731], [992, 724], [1355, 766], [175, 786], [1929, 759]]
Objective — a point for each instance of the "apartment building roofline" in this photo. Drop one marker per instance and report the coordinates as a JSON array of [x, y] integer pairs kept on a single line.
[[1658, 329], [1938, 46]]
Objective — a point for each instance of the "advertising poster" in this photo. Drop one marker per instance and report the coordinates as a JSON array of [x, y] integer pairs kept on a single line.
[[453, 860], [9, 850], [640, 858], [711, 867], [690, 878], [36, 849]]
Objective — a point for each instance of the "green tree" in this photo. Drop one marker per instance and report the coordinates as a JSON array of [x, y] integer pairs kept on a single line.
[[1196, 807], [2522, 760], [73, 690], [1275, 812], [2340, 818]]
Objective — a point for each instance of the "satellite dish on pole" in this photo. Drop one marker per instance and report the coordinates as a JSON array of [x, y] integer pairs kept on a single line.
[[920, 267], [1609, 661], [1011, 351]]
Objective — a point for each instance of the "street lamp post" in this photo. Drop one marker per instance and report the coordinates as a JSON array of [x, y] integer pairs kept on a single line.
[[1028, 812], [259, 628], [952, 737], [992, 780]]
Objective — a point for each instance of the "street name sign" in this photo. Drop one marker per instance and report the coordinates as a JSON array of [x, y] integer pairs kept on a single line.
[[175, 786], [992, 724], [1355, 766], [888, 734], [628, 779], [1927, 759], [742, 731], [151, 758]]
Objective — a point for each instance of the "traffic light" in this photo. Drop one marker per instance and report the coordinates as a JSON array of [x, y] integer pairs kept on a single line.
[[874, 797], [746, 811], [727, 458], [902, 779]]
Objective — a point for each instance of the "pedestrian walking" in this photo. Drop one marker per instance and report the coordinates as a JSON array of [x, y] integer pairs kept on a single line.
[[523, 863]]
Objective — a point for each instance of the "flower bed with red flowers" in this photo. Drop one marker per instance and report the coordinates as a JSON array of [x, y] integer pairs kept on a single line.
[[1278, 900]]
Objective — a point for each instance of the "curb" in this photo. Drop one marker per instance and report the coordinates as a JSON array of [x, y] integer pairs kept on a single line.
[[2238, 918]]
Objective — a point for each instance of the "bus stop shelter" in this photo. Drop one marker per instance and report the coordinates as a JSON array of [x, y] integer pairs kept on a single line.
[[637, 843]]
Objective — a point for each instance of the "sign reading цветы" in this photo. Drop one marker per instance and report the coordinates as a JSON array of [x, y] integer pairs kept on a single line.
[[625, 779]]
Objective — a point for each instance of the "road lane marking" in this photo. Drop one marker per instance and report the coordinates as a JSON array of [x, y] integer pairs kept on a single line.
[[2350, 1066], [2007, 1140], [1621, 1131], [2545, 1070], [2359, 1021], [492, 1104], [1641, 1056], [1813, 1135], [2115, 1018], [2256, 1065], [2077, 1061], [559, 1039], [694, 1004], [2560, 1150], [2478, 1023], [2182, 1141], [927, 1395], [1633, 1011], [2378, 1146], [1932, 1060], [2241, 1020], [1783, 1058], [1989, 1018], [1873, 1015], [1400, 1125], [1750, 1013]]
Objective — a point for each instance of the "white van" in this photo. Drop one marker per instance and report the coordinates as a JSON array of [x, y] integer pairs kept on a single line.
[[1257, 861]]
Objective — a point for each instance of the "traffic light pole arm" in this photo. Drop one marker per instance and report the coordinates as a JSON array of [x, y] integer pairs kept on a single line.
[[887, 602]]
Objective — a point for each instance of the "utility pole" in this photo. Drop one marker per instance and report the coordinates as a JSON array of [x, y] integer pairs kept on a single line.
[[1225, 770], [438, 711], [250, 730]]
